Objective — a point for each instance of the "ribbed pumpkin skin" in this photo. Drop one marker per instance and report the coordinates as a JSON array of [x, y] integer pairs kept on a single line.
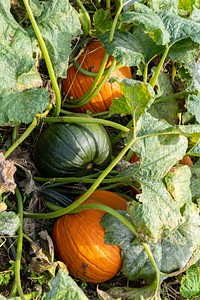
[[72, 149], [79, 241], [77, 84]]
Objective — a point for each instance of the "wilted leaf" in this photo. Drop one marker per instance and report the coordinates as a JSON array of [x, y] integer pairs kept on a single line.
[[102, 295], [7, 171], [9, 223], [64, 287], [43, 255], [144, 293], [178, 184]]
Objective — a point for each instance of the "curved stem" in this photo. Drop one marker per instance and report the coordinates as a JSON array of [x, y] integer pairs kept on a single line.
[[84, 18], [19, 245], [92, 74], [86, 121], [119, 136], [145, 74], [27, 132], [114, 24], [46, 58], [21, 138], [154, 78], [94, 89]]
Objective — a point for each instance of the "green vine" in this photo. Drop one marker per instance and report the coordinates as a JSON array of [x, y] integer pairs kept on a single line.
[[46, 57]]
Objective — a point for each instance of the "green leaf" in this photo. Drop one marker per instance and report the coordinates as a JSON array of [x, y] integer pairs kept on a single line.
[[137, 98], [179, 28], [184, 52], [190, 283], [164, 107], [155, 213], [149, 48], [149, 21], [172, 253], [193, 106], [64, 287], [186, 7], [124, 47], [22, 106], [195, 180], [35, 7], [9, 223], [160, 5], [102, 20], [16, 53], [58, 24]]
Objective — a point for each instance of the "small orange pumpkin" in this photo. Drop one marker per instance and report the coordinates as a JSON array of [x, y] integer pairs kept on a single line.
[[79, 241], [77, 84]]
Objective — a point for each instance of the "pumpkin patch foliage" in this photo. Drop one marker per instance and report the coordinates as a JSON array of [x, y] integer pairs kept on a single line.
[[100, 149]]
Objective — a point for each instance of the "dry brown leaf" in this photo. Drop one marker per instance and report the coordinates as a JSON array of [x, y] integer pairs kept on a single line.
[[7, 171]]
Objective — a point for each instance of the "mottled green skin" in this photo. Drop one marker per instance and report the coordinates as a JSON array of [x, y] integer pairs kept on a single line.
[[72, 149]]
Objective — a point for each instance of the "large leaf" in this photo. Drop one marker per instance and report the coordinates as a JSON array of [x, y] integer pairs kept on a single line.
[[155, 213], [163, 28], [58, 24], [180, 28], [137, 98], [22, 106], [16, 53], [149, 48], [125, 47], [184, 52], [149, 21], [64, 287], [172, 253]]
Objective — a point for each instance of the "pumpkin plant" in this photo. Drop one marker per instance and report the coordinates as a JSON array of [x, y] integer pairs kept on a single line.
[[72, 149], [79, 240], [77, 84]]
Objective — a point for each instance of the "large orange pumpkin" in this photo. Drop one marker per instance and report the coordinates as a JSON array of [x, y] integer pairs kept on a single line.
[[79, 241], [77, 84]]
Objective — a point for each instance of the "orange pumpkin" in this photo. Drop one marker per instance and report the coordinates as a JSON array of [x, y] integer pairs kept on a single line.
[[77, 84], [79, 241]]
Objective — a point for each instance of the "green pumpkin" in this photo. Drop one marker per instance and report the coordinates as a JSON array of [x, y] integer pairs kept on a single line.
[[72, 149]]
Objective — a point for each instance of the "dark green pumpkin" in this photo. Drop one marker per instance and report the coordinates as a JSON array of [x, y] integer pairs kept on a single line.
[[72, 149]]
